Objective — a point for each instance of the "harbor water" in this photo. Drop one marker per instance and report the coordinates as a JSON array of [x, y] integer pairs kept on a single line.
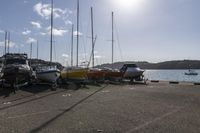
[[172, 75]]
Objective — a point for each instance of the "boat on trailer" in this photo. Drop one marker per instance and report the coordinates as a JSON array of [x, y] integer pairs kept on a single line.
[[132, 72], [16, 69], [112, 74], [74, 74], [48, 74], [95, 74]]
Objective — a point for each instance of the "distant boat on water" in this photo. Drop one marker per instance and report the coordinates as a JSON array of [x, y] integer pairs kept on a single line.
[[191, 72]]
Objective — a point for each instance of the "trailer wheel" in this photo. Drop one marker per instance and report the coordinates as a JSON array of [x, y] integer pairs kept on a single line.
[[54, 86], [59, 81]]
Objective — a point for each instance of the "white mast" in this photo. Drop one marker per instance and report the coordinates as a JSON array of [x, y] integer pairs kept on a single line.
[[77, 32], [51, 38], [92, 32], [72, 43], [112, 39]]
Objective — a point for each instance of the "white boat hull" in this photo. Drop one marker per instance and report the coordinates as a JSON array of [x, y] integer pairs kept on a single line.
[[48, 76]]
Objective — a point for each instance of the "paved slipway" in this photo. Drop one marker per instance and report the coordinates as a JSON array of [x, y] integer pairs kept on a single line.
[[123, 108]]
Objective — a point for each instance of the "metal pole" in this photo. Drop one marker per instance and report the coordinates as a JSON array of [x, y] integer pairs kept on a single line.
[[31, 51], [51, 31], [112, 39], [72, 43], [37, 49], [8, 42], [5, 42], [92, 31], [77, 32]]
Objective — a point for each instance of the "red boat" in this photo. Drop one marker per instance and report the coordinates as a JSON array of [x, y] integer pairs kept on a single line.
[[112, 74], [96, 74]]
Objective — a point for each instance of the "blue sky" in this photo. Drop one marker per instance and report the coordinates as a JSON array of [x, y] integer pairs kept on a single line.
[[145, 30]]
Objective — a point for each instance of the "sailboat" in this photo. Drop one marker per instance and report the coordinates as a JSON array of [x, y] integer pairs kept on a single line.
[[94, 74], [74, 73], [110, 73], [191, 72], [48, 73]]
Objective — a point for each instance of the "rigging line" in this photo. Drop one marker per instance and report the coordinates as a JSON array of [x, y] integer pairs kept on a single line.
[[86, 37], [94, 42], [106, 33], [83, 46], [118, 42], [107, 29]]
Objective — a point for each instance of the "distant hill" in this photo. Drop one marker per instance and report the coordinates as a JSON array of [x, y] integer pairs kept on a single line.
[[179, 64], [176, 64]]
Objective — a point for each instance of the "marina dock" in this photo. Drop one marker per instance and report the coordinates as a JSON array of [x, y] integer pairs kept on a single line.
[[155, 107]]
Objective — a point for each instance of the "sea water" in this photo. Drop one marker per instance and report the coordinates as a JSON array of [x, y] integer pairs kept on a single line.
[[172, 75]]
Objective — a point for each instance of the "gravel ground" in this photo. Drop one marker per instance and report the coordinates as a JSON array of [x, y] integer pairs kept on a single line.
[[156, 107]]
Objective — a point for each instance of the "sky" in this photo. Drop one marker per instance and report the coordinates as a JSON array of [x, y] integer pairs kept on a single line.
[[144, 30]]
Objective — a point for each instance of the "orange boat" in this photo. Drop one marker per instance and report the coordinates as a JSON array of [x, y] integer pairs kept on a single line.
[[112, 74], [96, 74]]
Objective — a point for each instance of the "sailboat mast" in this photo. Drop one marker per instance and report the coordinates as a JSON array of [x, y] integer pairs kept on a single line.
[[72, 44], [5, 41], [8, 42], [37, 49], [112, 39], [92, 31], [51, 39], [77, 32], [31, 51]]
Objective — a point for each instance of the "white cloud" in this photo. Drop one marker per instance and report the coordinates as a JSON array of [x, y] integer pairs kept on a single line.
[[97, 56], [31, 40], [65, 55], [56, 32], [42, 33], [77, 33], [36, 24], [68, 22], [26, 32], [1, 31], [25, 1], [12, 44], [96, 52], [44, 10]]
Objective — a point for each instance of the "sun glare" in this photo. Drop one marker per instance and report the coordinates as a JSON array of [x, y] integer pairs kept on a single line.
[[129, 4]]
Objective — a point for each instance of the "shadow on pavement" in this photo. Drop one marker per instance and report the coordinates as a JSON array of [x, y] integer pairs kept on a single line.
[[65, 111]]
